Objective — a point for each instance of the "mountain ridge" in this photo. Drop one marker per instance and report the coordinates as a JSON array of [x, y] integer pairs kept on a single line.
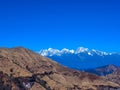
[[52, 51], [82, 58]]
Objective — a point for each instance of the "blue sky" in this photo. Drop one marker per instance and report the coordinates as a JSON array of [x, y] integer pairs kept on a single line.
[[38, 24]]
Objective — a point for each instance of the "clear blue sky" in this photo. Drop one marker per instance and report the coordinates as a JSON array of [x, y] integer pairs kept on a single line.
[[38, 24]]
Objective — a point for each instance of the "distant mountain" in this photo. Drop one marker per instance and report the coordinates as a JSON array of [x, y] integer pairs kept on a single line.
[[22, 69], [52, 52], [104, 70], [82, 58]]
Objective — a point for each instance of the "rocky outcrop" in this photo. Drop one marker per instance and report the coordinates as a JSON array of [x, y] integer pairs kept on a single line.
[[104, 70], [114, 77]]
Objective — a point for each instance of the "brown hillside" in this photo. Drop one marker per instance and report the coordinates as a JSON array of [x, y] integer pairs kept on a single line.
[[29, 70]]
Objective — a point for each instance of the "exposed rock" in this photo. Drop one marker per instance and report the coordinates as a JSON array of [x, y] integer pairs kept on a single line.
[[104, 70], [114, 77]]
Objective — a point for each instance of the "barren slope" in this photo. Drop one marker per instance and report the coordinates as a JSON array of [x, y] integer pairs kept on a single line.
[[35, 72]]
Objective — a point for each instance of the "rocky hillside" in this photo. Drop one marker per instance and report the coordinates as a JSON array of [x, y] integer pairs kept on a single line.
[[104, 70], [22, 69], [114, 77]]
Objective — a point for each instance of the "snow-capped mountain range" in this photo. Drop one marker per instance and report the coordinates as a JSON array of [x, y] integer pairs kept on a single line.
[[81, 58], [52, 52]]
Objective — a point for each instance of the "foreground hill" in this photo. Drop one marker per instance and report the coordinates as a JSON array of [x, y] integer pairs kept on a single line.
[[22, 69]]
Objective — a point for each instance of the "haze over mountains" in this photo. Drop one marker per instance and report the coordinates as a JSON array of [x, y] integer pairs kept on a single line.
[[82, 58]]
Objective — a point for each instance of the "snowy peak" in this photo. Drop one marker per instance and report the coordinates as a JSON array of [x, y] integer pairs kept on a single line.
[[100, 53], [51, 52], [81, 49], [65, 50]]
